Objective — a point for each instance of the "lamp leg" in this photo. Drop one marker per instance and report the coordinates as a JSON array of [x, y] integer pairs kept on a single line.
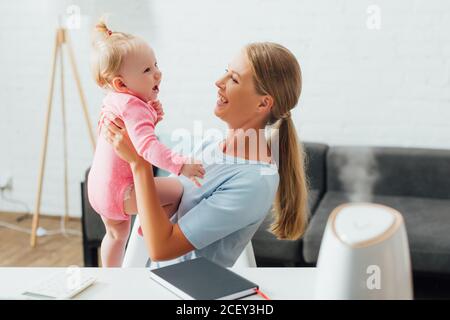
[[44, 146], [80, 92], [64, 126]]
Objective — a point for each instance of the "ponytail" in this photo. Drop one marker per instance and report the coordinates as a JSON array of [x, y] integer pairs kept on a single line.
[[101, 28], [291, 201]]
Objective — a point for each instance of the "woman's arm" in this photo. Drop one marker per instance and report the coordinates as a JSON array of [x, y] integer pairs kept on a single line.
[[164, 240]]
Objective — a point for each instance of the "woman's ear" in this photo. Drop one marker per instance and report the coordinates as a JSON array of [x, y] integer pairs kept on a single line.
[[119, 85], [266, 104]]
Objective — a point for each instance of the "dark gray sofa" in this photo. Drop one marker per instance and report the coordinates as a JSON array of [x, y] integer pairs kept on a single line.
[[416, 182]]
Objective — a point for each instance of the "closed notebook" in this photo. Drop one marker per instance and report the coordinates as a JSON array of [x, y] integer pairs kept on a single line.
[[201, 279]]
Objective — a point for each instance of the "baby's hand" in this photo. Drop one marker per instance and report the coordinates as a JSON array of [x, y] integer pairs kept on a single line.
[[193, 171], [158, 108]]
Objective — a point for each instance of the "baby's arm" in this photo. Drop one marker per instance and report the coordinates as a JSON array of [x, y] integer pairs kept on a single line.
[[140, 124], [190, 170]]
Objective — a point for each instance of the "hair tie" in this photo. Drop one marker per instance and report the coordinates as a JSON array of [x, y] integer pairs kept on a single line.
[[109, 32], [286, 116]]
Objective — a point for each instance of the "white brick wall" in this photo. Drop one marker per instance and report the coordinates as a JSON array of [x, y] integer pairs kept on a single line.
[[373, 87]]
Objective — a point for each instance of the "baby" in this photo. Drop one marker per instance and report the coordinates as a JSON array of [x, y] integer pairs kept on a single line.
[[126, 66]]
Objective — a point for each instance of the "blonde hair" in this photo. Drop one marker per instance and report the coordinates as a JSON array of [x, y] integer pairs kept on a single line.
[[276, 72], [110, 47]]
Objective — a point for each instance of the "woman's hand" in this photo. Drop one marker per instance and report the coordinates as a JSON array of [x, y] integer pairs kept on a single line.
[[115, 133]]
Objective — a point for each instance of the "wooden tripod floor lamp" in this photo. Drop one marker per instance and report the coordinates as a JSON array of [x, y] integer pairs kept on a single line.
[[60, 39]]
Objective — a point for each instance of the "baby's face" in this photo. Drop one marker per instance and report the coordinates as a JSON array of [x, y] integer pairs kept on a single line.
[[140, 73]]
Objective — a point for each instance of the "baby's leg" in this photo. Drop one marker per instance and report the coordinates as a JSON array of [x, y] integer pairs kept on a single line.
[[114, 241], [169, 191]]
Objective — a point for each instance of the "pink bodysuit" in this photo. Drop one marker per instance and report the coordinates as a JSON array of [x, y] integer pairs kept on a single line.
[[110, 176]]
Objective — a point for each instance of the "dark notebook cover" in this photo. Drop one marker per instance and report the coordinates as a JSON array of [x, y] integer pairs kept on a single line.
[[202, 279]]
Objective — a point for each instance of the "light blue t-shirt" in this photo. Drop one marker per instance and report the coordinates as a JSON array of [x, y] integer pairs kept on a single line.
[[221, 216]]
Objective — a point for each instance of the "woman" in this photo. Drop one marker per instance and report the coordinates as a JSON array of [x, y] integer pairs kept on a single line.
[[261, 86]]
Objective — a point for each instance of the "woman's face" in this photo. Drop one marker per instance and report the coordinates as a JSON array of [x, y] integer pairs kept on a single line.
[[238, 103]]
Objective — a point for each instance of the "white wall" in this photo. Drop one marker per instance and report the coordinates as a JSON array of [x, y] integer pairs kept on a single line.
[[387, 86]]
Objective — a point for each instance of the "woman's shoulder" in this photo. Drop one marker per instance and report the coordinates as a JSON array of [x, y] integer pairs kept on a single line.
[[261, 179], [259, 174]]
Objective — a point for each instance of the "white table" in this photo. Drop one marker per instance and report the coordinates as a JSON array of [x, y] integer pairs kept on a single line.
[[136, 284]]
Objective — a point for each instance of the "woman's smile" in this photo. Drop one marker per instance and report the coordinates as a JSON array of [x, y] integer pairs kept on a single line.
[[221, 100]]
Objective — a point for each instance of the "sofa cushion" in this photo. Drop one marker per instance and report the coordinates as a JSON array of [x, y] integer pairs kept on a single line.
[[269, 251], [389, 171], [427, 224]]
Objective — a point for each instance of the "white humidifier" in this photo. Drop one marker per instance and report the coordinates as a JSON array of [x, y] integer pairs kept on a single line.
[[364, 254]]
